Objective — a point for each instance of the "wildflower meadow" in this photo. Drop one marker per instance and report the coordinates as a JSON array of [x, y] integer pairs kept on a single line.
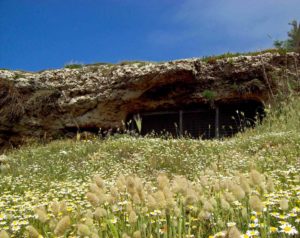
[[128, 186]]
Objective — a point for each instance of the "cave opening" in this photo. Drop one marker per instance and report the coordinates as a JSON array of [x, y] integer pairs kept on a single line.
[[200, 120]]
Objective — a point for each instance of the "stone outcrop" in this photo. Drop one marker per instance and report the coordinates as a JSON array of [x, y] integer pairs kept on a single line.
[[54, 103]]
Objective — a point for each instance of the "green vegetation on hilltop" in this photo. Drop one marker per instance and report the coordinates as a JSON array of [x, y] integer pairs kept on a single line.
[[293, 41]]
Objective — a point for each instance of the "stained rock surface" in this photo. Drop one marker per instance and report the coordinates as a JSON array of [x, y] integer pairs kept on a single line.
[[55, 103]]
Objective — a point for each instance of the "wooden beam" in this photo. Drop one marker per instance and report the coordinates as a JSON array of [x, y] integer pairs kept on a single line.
[[217, 122], [180, 123]]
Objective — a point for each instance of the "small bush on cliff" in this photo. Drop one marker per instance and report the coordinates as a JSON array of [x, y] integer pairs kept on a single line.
[[209, 95], [293, 41]]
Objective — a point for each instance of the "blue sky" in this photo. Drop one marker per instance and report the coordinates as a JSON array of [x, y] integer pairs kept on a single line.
[[41, 34]]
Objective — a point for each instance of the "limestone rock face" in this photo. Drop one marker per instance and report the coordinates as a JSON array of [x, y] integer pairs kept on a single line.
[[53, 103]]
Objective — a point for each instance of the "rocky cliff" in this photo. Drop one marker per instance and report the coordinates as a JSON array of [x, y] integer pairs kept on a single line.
[[55, 103]]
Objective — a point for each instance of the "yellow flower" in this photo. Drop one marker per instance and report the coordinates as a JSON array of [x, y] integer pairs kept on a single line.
[[273, 229]]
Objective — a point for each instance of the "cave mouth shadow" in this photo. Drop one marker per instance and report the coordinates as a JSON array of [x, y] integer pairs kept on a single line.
[[204, 121]]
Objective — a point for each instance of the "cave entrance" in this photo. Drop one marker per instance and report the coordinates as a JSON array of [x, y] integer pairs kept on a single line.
[[201, 121]]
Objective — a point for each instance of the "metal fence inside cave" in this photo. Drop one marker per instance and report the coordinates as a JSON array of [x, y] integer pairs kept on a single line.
[[201, 121]]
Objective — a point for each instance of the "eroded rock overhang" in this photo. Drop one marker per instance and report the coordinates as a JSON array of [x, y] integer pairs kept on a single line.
[[54, 103]]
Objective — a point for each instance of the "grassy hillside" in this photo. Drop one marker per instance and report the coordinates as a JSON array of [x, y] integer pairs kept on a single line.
[[149, 187]]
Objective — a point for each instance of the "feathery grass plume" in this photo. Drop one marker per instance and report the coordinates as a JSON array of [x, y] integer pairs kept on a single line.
[[144, 210], [93, 187], [93, 199], [160, 199], [52, 223], [130, 185], [121, 183], [207, 206], [180, 185], [244, 212], [244, 184], [284, 204], [177, 211], [129, 207], [110, 199], [32, 232], [204, 181], [213, 201], [137, 234], [205, 215], [229, 197], [216, 187], [55, 208], [4, 234], [224, 204], [255, 177], [114, 192], [124, 235], [62, 226], [233, 232], [89, 213], [198, 188], [41, 214], [262, 187], [162, 181], [100, 213], [151, 202], [89, 222], [191, 197], [94, 235], [136, 199], [238, 192], [99, 192], [256, 204], [225, 184], [140, 191], [170, 203], [83, 230], [132, 217], [167, 193], [99, 181]]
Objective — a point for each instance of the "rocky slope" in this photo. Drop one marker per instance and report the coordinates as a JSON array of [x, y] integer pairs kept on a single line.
[[56, 103]]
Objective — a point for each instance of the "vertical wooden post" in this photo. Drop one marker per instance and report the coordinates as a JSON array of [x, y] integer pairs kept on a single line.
[[217, 123], [180, 123]]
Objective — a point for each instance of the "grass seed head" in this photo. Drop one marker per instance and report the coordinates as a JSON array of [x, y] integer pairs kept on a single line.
[[62, 226], [162, 181], [255, 177], [132, 217], [124, 235], [94, 235], [99, 181], [4, 234], [55, 207], [32, 232], [41, 214], [100, 213], [83, 230], [256, 204], [137, 234], [224, 204], [93, 199], [233, 232], [244, 184], [238, 192]]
